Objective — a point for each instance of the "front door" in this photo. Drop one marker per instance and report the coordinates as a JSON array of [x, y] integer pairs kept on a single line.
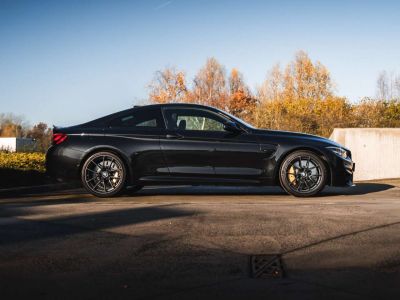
[[197, 144], [189, 146]]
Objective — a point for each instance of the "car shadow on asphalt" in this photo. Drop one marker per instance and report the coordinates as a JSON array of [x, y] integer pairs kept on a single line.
[[79, 195], [360, 189], [35, 200], [16, 228]]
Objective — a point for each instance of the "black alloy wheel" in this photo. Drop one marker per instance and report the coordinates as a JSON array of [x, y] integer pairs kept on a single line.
[[303, 174], [104, 174]]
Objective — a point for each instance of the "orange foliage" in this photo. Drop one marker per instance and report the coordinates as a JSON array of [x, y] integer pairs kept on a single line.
[[298, 97]]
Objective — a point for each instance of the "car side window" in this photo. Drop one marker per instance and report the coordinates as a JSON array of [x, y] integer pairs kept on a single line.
[[193, 119], [139, 119]]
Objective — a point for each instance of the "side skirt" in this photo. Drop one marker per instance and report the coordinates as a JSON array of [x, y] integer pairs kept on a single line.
[[161, 180]]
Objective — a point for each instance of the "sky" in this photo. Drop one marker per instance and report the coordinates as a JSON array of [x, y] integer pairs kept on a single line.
[[67, 62]]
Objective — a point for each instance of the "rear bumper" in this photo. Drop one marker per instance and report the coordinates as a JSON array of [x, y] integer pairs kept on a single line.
[[63, 163]]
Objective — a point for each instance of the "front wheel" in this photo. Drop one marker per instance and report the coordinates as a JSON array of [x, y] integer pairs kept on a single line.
[[103, 174], [303, 174]]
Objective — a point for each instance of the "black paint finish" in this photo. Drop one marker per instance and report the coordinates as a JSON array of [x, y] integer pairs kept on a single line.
[[159, 146]]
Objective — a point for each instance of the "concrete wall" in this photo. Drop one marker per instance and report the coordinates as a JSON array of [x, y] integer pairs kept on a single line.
[[376, 151]]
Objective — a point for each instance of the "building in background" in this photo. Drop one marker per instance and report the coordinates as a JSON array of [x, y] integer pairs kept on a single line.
[[13, 144]]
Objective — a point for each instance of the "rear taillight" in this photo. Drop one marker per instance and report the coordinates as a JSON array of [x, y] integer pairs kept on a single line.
[[58, 138]]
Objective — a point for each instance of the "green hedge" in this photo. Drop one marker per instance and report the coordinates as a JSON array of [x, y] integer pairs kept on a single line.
[[23, 161], [22, 169]]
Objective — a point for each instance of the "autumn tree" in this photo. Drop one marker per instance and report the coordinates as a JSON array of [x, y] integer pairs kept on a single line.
[[168, 85], [209, 85], [12, 125], [308, 80], [272, 87], [241, 102], [42, 135], [299, 98], [301, 79]]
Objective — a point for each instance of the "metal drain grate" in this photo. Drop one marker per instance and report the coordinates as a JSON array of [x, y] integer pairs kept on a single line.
[[266, 266]]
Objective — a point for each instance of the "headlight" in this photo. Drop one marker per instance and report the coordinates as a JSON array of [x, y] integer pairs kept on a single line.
[[339, 152]]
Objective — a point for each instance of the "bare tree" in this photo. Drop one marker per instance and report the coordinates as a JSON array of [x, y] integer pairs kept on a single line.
[[388, 86], [382, 86], [397, 86], [209, 85]]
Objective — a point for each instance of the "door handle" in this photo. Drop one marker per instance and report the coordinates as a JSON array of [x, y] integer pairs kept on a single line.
[[174, 136]]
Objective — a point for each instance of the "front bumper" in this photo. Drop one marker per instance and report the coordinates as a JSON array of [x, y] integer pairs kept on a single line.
[[342, 171]]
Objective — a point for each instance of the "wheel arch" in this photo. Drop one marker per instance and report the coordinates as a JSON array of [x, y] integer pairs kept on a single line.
[[303, 148], [111, 149]]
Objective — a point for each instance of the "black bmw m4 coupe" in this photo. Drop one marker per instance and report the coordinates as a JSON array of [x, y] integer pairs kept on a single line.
[[169, 144]]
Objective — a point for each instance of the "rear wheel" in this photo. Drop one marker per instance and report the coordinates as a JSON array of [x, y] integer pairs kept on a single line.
[[103, 174], [303, 174]]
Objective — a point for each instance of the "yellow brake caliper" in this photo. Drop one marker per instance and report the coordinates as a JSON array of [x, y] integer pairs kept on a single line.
[[292, 178]]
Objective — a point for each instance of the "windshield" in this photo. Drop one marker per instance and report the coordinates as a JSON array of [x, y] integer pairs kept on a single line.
[[240, 121]]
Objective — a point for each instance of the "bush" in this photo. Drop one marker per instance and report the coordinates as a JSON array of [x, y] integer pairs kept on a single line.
[[305, 115], [22, 169], [23, 161], [321, 116]]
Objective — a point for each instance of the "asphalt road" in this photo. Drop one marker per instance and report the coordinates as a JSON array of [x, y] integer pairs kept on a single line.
[[196, 243]]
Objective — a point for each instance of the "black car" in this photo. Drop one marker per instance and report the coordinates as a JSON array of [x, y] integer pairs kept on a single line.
[[190, 144]]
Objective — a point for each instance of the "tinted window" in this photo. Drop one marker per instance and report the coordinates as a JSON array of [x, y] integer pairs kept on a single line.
[[193, 119], [140, 119]]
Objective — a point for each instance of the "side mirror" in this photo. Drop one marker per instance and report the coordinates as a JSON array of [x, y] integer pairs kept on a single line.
[[232, 127]]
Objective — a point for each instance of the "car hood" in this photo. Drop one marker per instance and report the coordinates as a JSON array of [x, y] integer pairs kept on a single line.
[[298, 136]]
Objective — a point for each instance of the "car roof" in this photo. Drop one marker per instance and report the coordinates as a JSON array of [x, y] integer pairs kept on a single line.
[[174, 104], [166, 105], [103, 120]]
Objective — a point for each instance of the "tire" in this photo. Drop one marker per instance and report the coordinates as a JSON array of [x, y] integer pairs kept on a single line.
[[103, 174], [303, 174]]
